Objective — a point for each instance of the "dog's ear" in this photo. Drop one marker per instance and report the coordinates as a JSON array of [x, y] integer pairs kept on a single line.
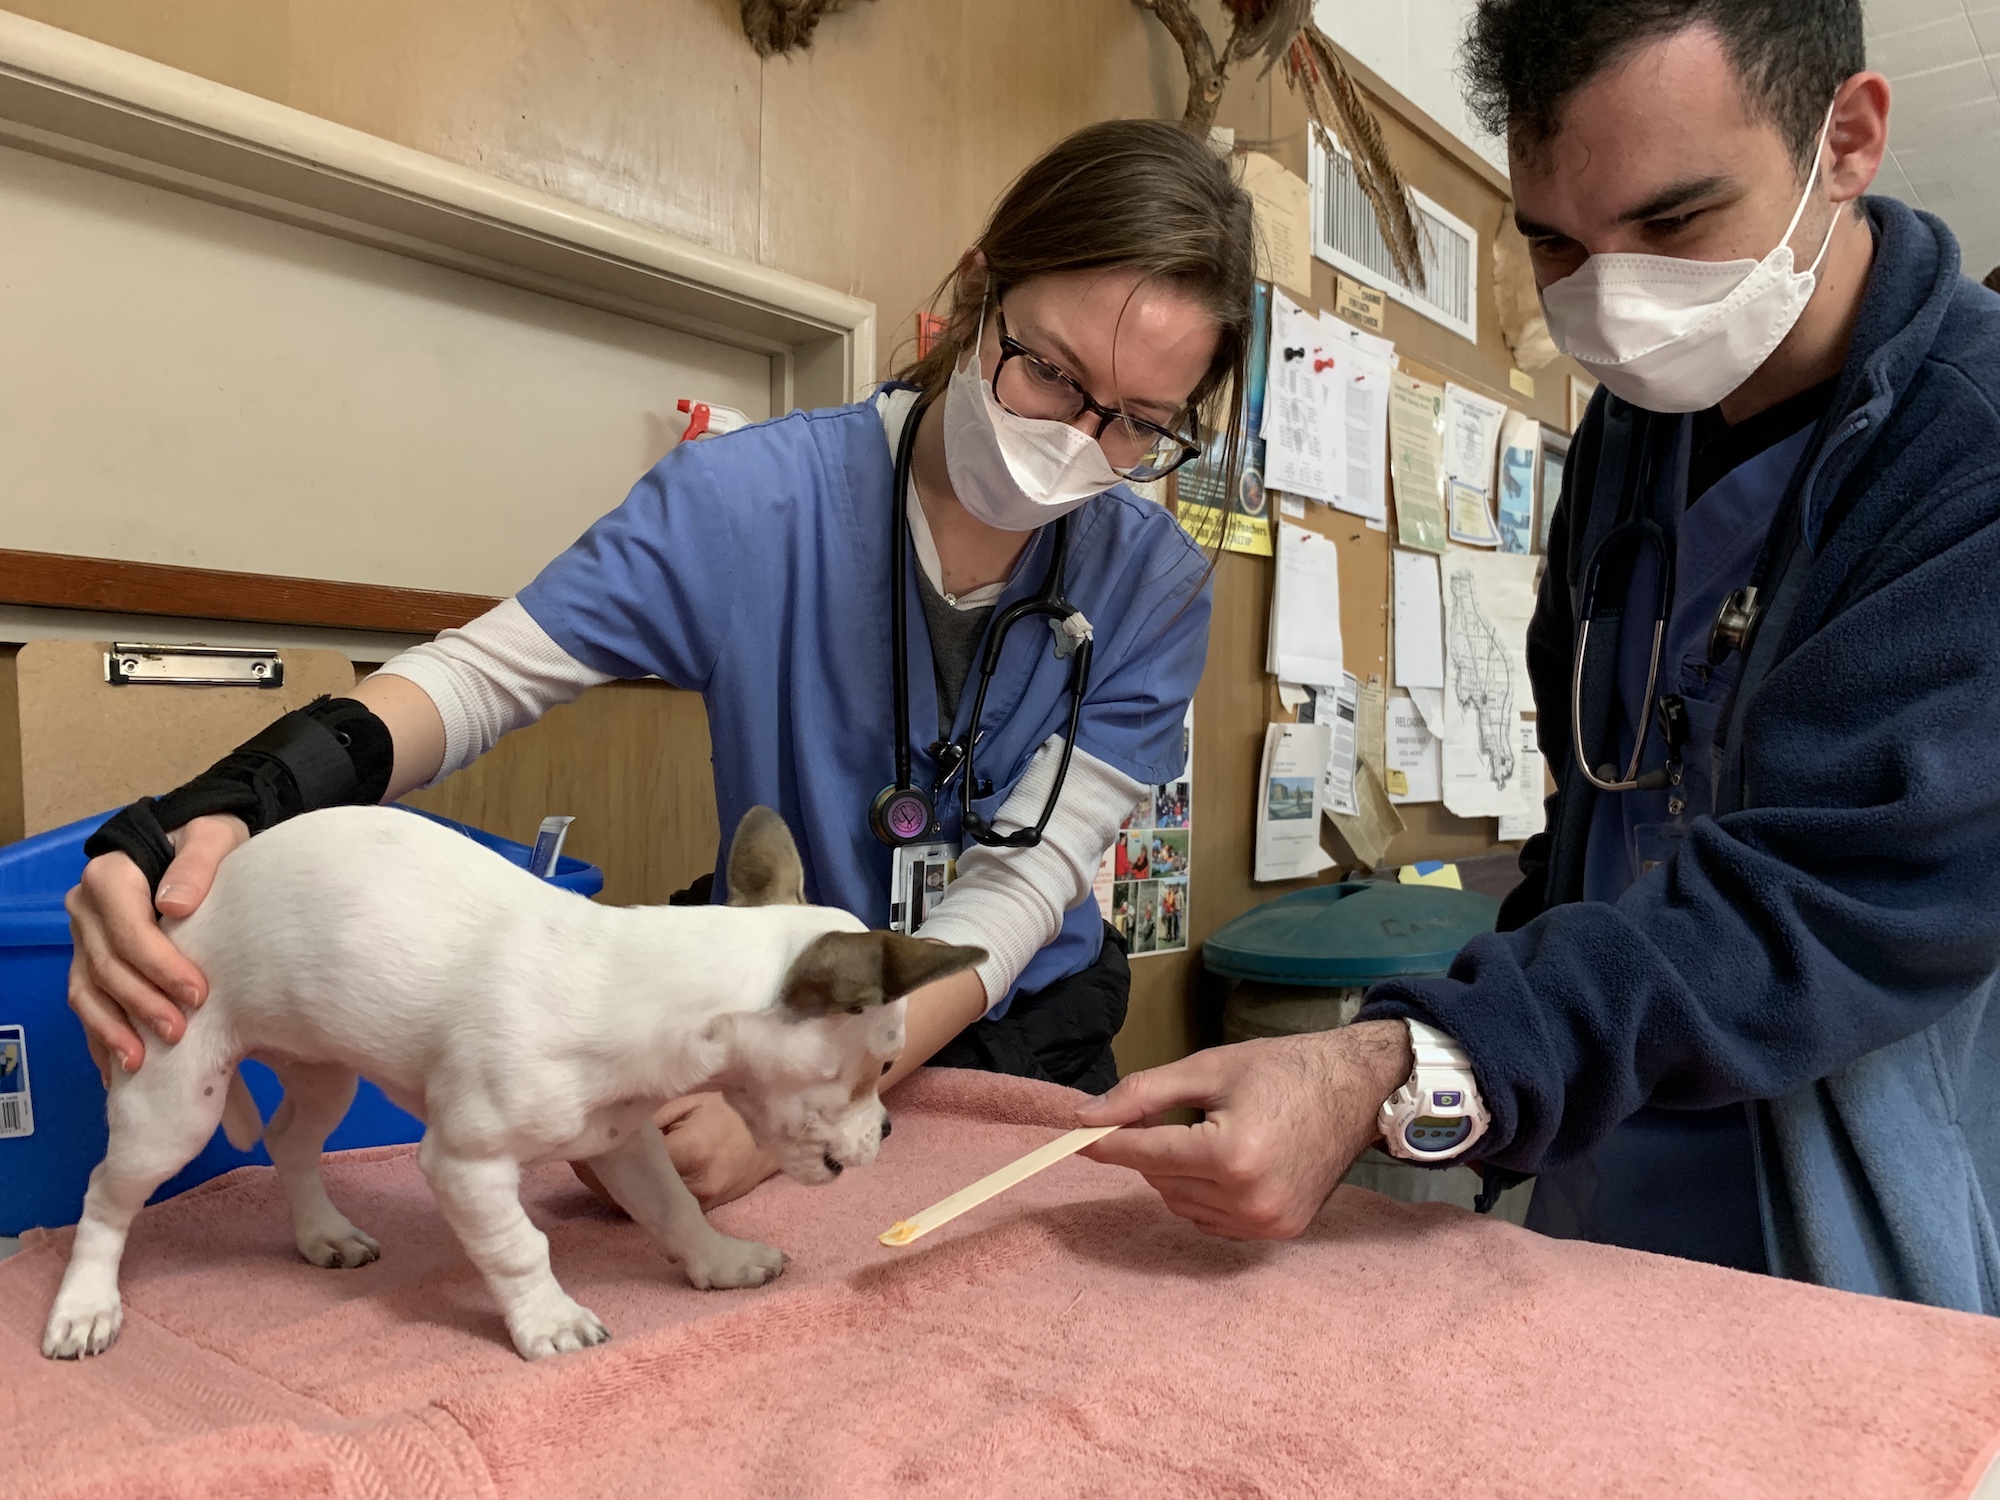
[[850, 971], [764, 868]]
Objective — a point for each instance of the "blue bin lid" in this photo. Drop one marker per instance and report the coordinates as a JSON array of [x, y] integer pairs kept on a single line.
[[35, 874], [1355, 932]]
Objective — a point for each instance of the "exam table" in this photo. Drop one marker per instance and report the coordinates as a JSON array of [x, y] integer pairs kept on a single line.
[[1067, 1338]]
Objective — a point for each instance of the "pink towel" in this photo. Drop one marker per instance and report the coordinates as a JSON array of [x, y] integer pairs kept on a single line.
[[1069, 1338]]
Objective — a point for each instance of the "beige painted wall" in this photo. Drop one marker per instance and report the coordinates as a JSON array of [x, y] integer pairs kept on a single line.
[[864, 165]]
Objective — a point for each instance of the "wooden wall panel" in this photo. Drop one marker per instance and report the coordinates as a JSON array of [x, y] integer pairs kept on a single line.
[[630, 762]]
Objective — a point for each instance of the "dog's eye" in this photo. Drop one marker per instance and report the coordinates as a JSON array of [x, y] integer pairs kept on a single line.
[[887, 1066]]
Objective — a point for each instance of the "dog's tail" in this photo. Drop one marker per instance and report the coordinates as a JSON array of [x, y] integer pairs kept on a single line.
[[242, 1122]]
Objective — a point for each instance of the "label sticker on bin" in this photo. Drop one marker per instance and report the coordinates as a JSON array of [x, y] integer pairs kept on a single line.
[[17, 1109]]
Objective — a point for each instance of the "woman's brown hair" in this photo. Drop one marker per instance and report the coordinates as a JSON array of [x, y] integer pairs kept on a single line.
[[1137, 193]]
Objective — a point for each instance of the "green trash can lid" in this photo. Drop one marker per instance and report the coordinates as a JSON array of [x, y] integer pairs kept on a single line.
[[1355, 932]]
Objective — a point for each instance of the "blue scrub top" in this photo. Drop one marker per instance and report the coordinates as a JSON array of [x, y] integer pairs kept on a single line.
[[753, 568], [1674, 1181]]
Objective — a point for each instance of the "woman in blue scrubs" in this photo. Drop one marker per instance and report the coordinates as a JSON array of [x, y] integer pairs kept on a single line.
[[1099, 317]]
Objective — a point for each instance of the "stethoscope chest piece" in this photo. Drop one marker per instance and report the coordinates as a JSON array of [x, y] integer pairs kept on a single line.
[[1733, 624], [901, 815]]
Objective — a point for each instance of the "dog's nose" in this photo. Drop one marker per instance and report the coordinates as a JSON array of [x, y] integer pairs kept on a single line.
[[887, 1125], [832, 1165]]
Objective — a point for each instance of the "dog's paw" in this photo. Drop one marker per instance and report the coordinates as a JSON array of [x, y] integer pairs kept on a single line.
[[340, 1250], [562, 1327], [81, 1326], [726, 1262]]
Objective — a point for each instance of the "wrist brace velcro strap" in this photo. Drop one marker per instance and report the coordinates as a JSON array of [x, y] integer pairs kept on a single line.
[[137, 833], [331, 753]]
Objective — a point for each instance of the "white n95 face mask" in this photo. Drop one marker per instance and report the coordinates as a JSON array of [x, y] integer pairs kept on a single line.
[[1675, 335], [1014, 473]]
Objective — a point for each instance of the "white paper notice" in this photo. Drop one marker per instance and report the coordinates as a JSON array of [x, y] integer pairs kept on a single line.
[[1471, 515], [1419, 620], [1471, 444], [1489, 598], [1337, 707], [1430, 704], [1305, 608], [1533, 814], [1361, 484], [1288, 802], [1471, 436], [1410, 753], [1294, 454]]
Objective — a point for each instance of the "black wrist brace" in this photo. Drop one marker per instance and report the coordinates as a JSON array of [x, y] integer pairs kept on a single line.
[[332, 753]]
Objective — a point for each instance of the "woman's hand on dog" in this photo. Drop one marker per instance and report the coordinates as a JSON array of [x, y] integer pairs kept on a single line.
[[711, 1147], [126, 973]]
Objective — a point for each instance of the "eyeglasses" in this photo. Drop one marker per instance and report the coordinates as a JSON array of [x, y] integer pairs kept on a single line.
[[1029, 386]]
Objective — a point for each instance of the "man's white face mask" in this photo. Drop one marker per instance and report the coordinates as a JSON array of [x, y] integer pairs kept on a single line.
[[1014, 473], [1676, 335]]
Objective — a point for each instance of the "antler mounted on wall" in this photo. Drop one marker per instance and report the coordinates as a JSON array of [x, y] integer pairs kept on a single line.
[[1284, 29], [777, 26]]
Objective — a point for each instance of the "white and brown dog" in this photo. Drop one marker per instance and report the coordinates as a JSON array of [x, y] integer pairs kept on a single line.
[[521, 1024]]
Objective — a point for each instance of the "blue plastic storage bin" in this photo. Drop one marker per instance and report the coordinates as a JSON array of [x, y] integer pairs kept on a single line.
[[43, 1174]]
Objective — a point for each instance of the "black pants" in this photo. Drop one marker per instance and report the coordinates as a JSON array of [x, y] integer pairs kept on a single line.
[[1061, 1033]]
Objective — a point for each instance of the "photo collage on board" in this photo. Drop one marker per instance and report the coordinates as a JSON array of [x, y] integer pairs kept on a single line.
[[1142, 885]]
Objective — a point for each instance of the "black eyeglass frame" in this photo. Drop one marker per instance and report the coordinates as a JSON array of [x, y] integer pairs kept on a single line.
[[1011, 348]]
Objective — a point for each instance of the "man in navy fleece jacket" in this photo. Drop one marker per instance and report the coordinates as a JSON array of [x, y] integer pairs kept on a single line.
[[1739, 1013]]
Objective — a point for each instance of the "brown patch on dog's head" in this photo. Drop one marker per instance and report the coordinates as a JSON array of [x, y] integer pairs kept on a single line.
[[850, 971], [764, 868]]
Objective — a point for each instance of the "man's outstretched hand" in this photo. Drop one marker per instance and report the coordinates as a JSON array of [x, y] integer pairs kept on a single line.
[[1285, 1118]]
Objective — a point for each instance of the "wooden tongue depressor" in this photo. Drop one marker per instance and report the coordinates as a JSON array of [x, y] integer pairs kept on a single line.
[[992, 1184]]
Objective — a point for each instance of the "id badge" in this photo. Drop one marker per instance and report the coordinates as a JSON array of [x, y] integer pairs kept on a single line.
[[1653, 844], [918, 875]]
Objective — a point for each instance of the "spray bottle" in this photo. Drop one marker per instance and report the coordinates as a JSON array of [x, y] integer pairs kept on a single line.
[[706, 419]]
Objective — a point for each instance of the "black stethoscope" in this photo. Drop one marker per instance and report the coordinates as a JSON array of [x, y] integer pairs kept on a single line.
[[902, 813], [1734, 623]]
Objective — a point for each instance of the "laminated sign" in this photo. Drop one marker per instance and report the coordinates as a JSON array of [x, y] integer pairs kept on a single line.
[[17, 1106]]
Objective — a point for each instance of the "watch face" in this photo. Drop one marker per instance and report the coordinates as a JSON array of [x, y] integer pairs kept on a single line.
[[1434, 1133]]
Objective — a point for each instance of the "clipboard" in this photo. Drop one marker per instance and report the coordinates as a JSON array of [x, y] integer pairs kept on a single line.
[[85, 728]]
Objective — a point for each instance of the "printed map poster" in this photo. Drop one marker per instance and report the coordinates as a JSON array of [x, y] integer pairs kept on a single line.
[[1238, 520], [1488, 599], [1142, 881]]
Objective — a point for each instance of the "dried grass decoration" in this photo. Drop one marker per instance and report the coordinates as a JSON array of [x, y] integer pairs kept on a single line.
[[776, 27], [1275, 29]]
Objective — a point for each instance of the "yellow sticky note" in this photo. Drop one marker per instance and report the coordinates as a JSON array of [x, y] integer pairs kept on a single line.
[[1430, 872], [1398, 782], [1523, 382]]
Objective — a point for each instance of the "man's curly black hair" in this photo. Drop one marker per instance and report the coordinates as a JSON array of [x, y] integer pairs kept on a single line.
[[1524, 59]]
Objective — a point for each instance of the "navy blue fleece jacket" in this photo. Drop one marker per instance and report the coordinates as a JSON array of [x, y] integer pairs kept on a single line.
[[1821, 949]]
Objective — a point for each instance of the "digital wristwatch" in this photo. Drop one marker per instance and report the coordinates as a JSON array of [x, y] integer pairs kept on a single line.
[[1437, 1114]]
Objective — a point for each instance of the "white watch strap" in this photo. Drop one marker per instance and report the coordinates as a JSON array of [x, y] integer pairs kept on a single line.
[[1441, 1075], [1436, 1049]]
